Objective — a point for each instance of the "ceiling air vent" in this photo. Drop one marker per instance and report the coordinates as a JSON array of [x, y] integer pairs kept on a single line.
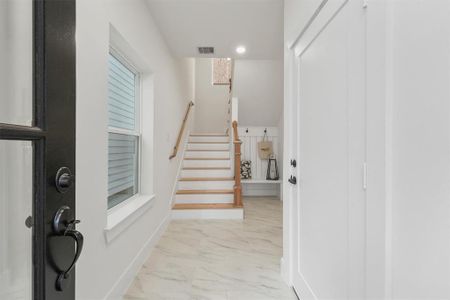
[[206, 50]]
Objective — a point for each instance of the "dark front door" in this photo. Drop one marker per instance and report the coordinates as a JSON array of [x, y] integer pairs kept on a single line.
[[39, 243]]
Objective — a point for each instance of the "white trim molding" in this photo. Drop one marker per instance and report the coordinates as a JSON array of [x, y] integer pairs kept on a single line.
[[324, 14], [126, 213]]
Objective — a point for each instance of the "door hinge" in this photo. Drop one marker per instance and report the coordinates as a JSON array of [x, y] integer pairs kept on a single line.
[[365, 176]]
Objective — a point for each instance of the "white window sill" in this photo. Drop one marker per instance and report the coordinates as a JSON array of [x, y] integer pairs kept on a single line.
[[124, 214]]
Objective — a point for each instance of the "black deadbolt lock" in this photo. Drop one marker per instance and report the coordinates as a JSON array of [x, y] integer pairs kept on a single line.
[[64, 179], [293, 163]]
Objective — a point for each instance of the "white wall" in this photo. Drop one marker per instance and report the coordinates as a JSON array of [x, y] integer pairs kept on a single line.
[[408, 127], [211, 101], [259, 86], [188, 76], [105, 269], [419, 93]]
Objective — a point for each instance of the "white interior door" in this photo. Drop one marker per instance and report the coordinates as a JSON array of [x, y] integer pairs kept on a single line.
[[329, 213]]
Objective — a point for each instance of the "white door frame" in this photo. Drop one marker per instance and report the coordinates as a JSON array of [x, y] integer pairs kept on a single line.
[[378, 229]]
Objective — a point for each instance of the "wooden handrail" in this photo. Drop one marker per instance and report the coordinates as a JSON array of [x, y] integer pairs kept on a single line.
[[237, 166], [180, 134]]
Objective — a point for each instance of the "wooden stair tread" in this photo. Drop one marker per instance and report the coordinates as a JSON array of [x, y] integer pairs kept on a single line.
[[204, 192], [207, 150], [205, 158], [206, 168], [209, 143], [206, 206], [207, 179], [209, 134]]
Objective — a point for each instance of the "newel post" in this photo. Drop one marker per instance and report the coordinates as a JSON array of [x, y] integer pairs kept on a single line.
[[237, 167]]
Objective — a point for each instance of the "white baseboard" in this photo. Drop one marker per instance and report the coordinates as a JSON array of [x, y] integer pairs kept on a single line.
[[284, 272], [261, 190], [121, 286]]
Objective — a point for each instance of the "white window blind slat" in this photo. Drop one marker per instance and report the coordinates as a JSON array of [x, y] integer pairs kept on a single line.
[[114, 164], [122, 176], [120, 169], [116, 101], [119, 74], [120, 156], [122, 96], [122, 123], [124, 80], [118, 68], [117, 189], [122, 111], [124, 89]]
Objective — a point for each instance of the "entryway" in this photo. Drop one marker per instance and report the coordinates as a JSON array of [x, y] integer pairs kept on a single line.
[[218, 259]]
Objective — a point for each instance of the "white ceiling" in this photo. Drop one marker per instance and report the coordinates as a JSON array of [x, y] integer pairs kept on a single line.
[[222, 24]]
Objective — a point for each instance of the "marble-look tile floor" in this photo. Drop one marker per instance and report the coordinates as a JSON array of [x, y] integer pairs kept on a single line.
[[218, 259]]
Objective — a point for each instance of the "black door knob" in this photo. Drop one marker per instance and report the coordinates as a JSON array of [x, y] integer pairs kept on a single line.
[[293, 163], [293, 180]]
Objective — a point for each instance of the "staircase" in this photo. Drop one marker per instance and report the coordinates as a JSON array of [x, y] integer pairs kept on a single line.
[[206, 183]]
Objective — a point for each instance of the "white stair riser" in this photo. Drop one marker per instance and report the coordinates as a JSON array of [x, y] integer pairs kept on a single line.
[[206, 185], [218, 214], [207, 154], [201, 198], [209, 139], [206, 163], [224, 147], [206, 173]]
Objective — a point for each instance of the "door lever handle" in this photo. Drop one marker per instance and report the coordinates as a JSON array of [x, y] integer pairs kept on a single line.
[[70, 231], [79, 239], [293, 180]]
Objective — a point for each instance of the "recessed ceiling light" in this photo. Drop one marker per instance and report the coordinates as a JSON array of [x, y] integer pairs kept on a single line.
[[241, 50]]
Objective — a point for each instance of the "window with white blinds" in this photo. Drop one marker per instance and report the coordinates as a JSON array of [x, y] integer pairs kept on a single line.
[[124, 134]]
